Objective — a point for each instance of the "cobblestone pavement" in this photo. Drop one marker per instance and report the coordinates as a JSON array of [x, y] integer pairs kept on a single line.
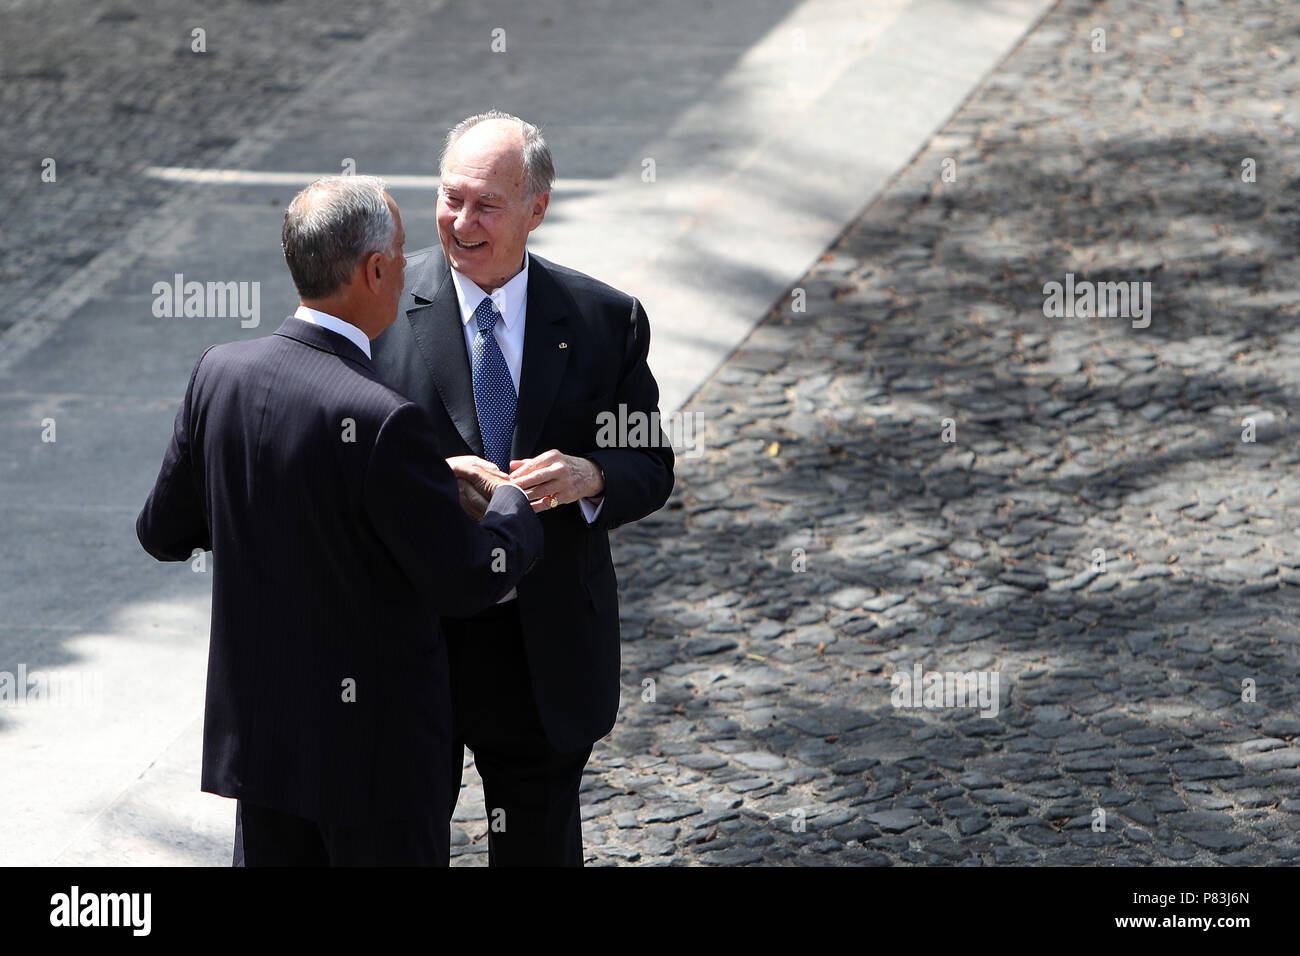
[[107, 89], [1122, 670]]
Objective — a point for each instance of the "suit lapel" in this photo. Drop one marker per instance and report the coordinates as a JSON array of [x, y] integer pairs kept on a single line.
[[434, 315], [435, 323], [544, 360]]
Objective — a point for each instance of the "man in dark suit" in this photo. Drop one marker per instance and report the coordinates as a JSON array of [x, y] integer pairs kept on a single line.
[[338, 538], [520, 363]]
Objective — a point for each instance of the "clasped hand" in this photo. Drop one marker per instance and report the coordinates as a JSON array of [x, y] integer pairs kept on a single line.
[[550, 477]]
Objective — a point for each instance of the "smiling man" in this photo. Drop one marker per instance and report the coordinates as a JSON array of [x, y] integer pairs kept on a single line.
[[515, 358]]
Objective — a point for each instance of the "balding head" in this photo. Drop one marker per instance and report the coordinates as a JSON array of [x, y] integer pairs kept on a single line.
[[508, 133], [496, 180]]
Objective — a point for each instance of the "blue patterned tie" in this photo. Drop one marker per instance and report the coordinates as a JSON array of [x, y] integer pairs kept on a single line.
[[494, 390]]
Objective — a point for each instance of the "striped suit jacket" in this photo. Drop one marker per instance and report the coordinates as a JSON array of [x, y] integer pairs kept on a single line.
[[337, 540]]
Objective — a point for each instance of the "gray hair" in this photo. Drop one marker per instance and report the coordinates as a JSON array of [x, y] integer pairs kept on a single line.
[[330, 227], [539, 169]]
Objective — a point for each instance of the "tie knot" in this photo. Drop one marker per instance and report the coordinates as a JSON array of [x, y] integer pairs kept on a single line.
[[486, 315]]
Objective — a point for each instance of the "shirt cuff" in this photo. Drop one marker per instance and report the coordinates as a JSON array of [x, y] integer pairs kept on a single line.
[[589, 511]]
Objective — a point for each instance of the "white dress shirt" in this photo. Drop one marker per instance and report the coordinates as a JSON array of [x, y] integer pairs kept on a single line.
[[335, 324], [511, 301]]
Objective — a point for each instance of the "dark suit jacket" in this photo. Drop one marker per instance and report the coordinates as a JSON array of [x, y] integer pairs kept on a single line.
[[332, 559], [585, 348]]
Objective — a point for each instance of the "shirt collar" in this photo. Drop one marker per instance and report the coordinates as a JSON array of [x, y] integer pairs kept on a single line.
[[509, 298], [335, 324]]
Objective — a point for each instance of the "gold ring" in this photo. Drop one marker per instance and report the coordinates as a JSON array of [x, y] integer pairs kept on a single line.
[[554, 501]]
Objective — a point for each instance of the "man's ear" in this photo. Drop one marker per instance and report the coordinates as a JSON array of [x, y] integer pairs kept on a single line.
[[539, 209], [372, 271]]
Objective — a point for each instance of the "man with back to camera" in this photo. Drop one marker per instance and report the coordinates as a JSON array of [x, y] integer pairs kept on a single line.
[[337, 538]]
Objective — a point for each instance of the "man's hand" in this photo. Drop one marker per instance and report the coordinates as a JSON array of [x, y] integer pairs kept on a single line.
[[476, 480], [553, 478]]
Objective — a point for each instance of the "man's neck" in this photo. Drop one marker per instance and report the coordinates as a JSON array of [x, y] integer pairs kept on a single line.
[[342, 312], [497, 284]]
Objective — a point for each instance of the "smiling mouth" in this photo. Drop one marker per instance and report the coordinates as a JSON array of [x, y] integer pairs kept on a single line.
[[468, 245]]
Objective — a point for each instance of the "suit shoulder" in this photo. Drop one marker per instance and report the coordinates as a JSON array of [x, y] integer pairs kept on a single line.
[[234, 354], [317, 373], [584, 287]]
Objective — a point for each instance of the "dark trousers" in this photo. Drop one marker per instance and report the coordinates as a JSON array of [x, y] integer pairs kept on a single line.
[[530, 789], [267, 837]]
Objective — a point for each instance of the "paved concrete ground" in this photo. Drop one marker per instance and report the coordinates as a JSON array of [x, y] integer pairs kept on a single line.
[[107, 89]]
